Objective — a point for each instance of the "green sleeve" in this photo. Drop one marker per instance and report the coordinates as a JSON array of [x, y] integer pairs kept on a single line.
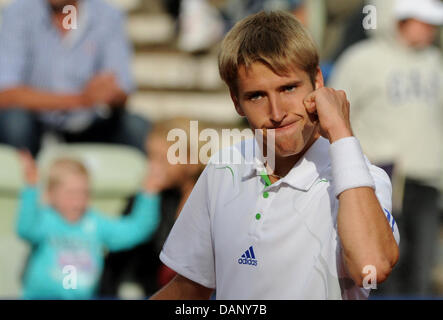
[[29, 222], [128, 231]]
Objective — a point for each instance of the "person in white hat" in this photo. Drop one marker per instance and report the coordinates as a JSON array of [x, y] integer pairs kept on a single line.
[[428, 11], [394, 83]]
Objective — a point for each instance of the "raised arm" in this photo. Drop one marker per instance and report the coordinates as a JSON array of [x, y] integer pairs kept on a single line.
[[128, 231], [29, 223], [364, 231]]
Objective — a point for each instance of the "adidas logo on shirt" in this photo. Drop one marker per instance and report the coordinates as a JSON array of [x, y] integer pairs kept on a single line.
[[248, 257]]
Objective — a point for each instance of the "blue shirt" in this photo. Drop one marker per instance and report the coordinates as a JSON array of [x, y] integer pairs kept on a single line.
[[34, 53], [67, 258]]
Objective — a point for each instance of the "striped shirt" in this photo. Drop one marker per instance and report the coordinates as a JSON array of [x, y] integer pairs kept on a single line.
[[34, 53]]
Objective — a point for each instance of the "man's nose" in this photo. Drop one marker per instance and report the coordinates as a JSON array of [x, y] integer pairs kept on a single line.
[[276, 108]]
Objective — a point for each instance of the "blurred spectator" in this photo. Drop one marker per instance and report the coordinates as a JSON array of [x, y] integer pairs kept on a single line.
[[65, 69], [394, 84], [312, 13], [172, 7], [142, 265], [67, 237], [200, 26], [353, 32]]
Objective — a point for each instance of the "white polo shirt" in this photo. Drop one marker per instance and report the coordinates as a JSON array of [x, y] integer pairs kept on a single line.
[[248, 240]]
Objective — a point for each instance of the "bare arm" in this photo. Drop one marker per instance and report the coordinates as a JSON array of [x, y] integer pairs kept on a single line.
[[36, 100], [365, 235], [181, 288], [363, 229], [101, 89]]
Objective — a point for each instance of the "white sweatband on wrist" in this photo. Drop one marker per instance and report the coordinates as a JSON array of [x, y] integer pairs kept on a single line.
[[349, 168]]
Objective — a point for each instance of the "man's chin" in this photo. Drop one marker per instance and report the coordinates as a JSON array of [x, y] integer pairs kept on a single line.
[[57, 6], [286, 151]]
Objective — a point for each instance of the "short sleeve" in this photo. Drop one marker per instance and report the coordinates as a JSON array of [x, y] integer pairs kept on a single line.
[[188, 249], [383, 191]]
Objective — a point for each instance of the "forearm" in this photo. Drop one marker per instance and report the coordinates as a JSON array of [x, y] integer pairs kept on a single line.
[[365, 234], [36, 100], [135, 228], [145, 216], [364, 231], [181, 288]]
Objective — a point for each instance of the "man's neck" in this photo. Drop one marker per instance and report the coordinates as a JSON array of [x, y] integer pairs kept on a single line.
[[58, 8], [284, 164], [58, 17]]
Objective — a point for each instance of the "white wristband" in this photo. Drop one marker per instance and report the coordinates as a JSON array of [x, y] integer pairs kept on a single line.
[[349, 168]]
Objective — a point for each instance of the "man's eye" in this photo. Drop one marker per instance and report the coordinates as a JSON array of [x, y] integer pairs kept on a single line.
[[255, 97], [290, 88]]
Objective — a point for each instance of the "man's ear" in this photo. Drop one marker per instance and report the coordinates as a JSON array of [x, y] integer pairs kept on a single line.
[[319, 82], [236, 103]]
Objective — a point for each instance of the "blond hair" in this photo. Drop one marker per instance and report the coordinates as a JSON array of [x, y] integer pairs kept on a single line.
[[61, 167], [276, 39]]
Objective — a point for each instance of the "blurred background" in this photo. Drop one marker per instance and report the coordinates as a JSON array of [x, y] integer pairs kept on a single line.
[[171, 50]]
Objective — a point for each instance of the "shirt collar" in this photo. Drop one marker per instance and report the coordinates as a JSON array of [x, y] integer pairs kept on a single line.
[[253, 156], [305, 172]]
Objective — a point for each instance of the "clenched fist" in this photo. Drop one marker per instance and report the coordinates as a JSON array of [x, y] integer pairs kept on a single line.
[[331, 107]]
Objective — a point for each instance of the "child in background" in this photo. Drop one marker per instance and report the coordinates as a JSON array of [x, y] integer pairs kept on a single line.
[[67, 237], [174, 182]]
